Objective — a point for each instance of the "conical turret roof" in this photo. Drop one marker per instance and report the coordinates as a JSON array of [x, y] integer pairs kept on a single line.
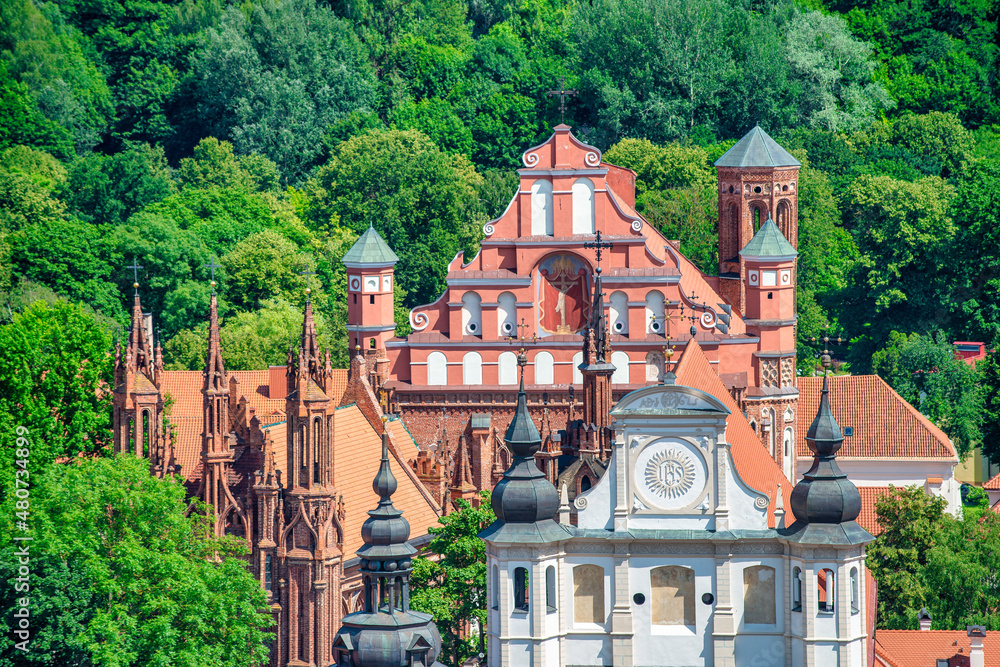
[[370, 249], [769, 242], [757, 149]]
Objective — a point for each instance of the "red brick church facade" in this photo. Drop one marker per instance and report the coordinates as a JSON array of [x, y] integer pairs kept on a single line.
[[284, 458], [453, 380]]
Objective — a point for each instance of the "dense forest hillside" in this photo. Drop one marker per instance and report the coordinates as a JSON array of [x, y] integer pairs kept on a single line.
[[268, 134]]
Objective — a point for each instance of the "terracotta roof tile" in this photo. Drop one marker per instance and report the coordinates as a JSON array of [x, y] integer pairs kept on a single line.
[[356, 453], [183, 388], [752, 461], [993, 484], [868, 519], [921, 648], [885, 425]]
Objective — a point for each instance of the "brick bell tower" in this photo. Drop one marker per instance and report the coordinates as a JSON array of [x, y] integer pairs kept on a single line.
[[758, 237], [758, 179], [370, 304]]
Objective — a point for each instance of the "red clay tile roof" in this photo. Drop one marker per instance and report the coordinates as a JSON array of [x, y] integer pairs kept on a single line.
[[754, 465], [183, 388], [993, 484], [922, 648], [867, 519], [357, 450], [885, 425]]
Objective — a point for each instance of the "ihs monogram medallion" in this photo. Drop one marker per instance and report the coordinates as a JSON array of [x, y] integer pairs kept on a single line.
[[670, 474]]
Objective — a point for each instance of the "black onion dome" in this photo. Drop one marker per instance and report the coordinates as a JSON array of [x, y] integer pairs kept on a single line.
[[524, 494], [825, 495], [385, 531], [522, 436], [387, 633]]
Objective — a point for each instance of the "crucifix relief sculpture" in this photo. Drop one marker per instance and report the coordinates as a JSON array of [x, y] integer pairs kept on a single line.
[[565, 298]]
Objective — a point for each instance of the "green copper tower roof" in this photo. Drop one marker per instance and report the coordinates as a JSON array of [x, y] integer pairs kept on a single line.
[[769, 242], [756, 149], [370, 249]]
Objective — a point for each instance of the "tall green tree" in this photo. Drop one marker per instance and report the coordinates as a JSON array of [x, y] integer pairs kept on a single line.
[[54, 374], [449, 580], [925, 372], [420, 199], [250, 340], [124, 578], [925, 557], [273, 78], [904, 233], [834, 73]]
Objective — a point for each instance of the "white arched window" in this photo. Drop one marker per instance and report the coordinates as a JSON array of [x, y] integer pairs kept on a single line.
[[507, 368], [544, 365], [788, 447], [620, 361], [583, 206], [472, 368], [619, 312], [796, 589], [577, 373], [855, 604], [472, 314], [826, 591], [654, 313], [550, 588], [541, 208], [507, 314], [437, 368]]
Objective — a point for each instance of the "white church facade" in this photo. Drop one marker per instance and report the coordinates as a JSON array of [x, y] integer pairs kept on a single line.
[[675, 559]]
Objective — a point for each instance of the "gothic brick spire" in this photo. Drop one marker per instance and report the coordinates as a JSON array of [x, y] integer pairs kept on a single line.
[[215, 371], [310, 361], [139, 350], [595, 435]]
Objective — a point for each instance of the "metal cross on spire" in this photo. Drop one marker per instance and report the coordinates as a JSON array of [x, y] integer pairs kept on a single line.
[[598, 245], [135, 274], [521, 339], [212, 266], [563, 94], [307, 273]]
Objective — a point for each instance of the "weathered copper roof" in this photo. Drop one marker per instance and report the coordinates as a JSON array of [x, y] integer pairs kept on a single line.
[[372, 249], [768, 242], [757, 149]]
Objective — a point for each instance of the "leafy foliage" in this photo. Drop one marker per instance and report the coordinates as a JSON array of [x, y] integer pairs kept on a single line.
[[54, 371], [122, 577], [925, 557], [449, 581]]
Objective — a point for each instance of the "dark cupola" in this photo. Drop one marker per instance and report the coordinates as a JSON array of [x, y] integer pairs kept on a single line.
[[524, 500], [825, 502], [387, 633]]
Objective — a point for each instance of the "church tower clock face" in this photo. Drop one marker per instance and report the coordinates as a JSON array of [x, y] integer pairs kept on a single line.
[[670, 474]]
